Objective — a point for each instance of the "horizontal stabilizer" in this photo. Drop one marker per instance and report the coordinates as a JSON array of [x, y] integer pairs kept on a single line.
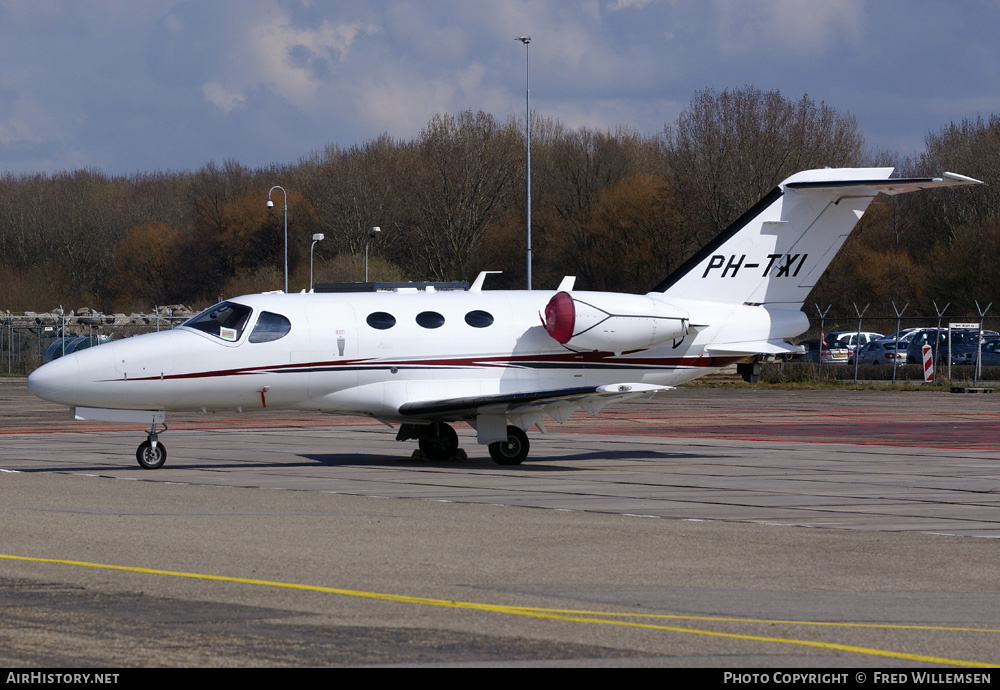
[[889, 187]]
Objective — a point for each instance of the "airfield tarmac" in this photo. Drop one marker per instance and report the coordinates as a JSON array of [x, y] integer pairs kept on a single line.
[[727, 527]]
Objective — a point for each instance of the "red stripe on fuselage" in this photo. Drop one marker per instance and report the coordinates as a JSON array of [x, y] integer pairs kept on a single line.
[[563, 360]]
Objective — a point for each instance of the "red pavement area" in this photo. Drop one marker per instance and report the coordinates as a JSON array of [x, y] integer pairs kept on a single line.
[[866, 427], [945, 430]]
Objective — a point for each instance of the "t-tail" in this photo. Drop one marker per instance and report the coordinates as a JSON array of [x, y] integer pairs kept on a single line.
[[774, 254], [742, 294]]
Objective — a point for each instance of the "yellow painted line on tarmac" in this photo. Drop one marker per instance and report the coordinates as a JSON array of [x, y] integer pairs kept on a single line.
[[553, 614], [775, 621]]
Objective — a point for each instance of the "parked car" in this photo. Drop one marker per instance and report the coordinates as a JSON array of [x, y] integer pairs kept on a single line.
[[811, 350], [963, 344], [991, 352], [882, 352], [71, 344], [902, 336], [832, 353], [847, 340], [852, 339]]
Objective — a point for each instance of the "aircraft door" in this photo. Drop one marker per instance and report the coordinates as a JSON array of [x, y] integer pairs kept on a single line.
[[333, 347]]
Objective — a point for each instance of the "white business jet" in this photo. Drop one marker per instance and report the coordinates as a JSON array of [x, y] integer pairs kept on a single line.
[[499, 360]]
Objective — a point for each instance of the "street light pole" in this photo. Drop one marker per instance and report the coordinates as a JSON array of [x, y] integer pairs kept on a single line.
[[270, 204], [371, 233], [318, 237], [527, 124]]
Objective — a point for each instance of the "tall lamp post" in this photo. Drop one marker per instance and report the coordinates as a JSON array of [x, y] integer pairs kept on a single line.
[[527, 124], [371, 233], [318, 237], [270, 204]]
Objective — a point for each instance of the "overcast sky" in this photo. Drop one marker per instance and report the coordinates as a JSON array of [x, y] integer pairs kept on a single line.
[[128, 86]]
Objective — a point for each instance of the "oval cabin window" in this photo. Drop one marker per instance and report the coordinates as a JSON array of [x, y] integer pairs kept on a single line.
[[381, 320], [430, 319], [479, 318]]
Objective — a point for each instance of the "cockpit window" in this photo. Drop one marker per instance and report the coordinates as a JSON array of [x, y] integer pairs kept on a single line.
[[269, 327], [225, 320]]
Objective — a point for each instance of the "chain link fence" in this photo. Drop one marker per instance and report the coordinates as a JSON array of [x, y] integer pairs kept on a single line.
[[25, 339], [910, 370]]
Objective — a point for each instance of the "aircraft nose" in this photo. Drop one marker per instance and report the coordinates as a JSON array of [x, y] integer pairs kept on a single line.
[[58, 381]]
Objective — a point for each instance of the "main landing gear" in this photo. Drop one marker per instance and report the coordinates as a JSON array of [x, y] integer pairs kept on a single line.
[[513, 451], [151, 454], [439, 443]]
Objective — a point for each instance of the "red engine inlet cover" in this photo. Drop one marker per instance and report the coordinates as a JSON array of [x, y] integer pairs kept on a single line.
[[560, 317]]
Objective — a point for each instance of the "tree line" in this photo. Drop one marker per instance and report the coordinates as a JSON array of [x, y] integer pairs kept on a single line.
[[616, 208]]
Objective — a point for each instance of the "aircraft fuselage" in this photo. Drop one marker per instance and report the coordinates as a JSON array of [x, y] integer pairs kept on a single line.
[[333, 359]]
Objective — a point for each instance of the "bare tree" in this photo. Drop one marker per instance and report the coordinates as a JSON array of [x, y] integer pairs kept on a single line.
[[972, 148], [350, 190], [728, 149], [458, 182]]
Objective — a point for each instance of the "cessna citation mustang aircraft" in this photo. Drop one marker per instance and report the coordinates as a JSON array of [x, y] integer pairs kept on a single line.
[[498, 360]]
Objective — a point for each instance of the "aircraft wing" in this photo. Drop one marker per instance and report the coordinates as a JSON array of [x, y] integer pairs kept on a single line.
[[525, 409], [760, 347]]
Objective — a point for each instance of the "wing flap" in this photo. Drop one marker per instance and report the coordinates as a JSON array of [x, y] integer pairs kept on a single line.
[[525, 408]]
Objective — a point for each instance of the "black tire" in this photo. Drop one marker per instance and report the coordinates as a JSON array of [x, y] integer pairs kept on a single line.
[[441, 446], [513, 451], [151, 458]]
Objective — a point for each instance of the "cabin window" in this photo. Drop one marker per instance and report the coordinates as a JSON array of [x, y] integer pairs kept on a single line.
[[430, 319], [479, 318], [225, 320], [269, 327], [381, 320]]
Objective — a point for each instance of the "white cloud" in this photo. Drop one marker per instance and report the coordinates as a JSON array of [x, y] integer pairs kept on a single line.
[[222, 98], [401, 105], [86, 83], [301, 64], [790, 27], [295, 62], [625, 4], [27, 122]]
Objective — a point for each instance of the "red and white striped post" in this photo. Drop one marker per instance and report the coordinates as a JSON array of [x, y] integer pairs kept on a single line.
[[928, 353]]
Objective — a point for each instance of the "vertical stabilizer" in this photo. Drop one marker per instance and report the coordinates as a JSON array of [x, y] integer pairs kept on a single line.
[[775, 252]]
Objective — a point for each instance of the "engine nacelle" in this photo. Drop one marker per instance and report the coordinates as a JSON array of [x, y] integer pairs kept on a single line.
[[612, 322]]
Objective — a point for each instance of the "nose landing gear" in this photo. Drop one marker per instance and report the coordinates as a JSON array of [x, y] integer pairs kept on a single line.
[[151, 454]]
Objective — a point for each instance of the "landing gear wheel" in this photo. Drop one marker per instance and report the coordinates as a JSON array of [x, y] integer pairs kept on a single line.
[[151, 458], [441, 446], [513, 451]]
